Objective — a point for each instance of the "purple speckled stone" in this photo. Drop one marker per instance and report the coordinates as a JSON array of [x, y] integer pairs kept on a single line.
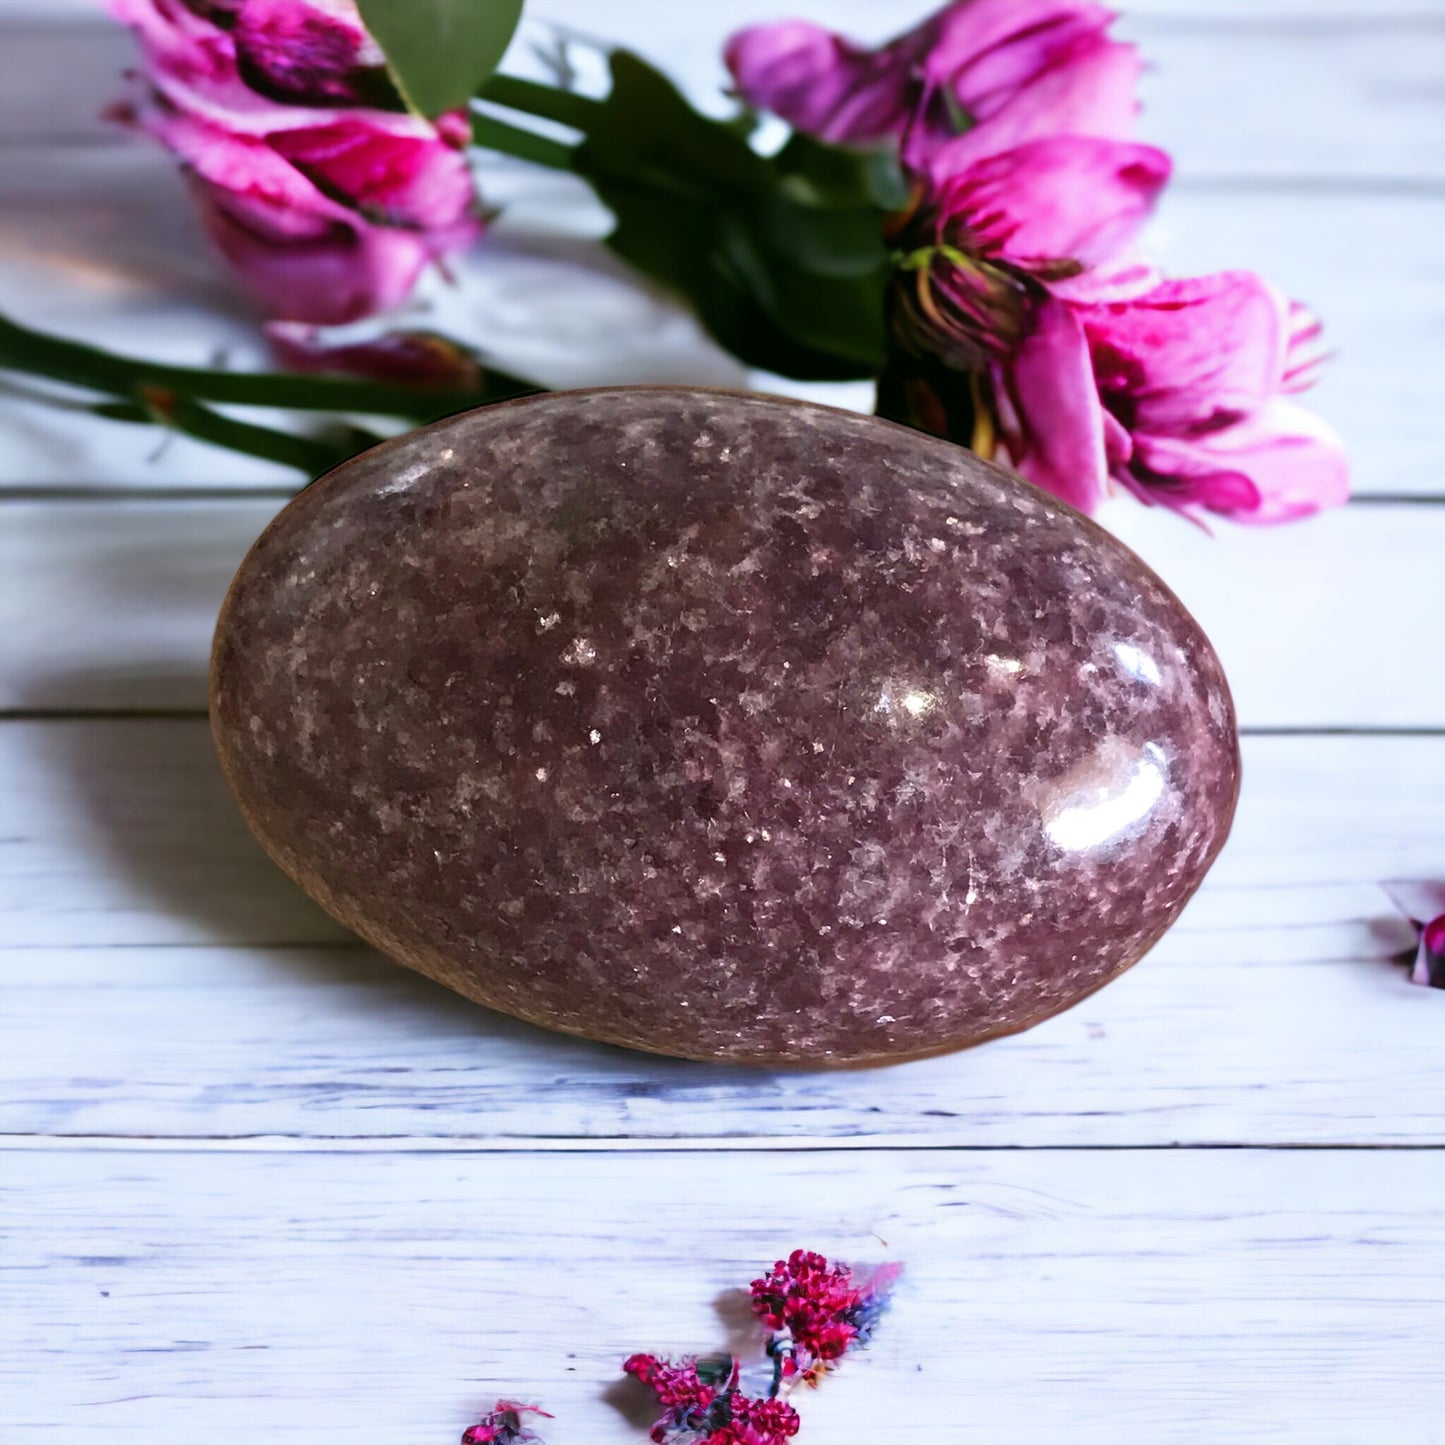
[[723, 726]]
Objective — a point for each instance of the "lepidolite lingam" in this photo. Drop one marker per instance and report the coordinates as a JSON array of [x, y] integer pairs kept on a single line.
[[723, 726]]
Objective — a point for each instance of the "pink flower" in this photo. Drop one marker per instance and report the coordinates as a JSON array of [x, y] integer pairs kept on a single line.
[[323, 194], [757, 1422], [1180, 393], [990, 238], [703, 1405], [695, 1394], [817, 1310], [1021, 323], [1009, 214], [1013, 118], [505, 1425], [1001, 71]]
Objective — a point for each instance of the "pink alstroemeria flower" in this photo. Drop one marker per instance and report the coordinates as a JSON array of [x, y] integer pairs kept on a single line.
[[1180, 393], [702, 1404], [990, 238], [323, 194], [1005, 71]]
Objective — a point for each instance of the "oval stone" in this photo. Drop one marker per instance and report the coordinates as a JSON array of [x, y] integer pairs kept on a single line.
[[723, 726]]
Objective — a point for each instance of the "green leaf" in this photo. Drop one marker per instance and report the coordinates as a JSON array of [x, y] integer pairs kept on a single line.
[[37, 353], [440, 51], [840, 175], [782, 259], [715, 1369]]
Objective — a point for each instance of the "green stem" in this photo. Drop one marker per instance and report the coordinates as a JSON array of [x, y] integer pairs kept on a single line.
[[306, 454], [38, 354], [547, 102], [494, 134]]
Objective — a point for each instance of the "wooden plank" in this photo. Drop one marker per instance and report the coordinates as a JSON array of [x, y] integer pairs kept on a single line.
[[161, 1298], [1327, 623], [1358, 78], [102, 244], [1272, 1013]]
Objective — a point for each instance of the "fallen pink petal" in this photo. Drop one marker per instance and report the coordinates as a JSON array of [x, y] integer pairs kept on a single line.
[[411, 358]]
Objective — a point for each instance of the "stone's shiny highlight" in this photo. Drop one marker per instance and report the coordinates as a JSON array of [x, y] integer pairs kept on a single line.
[[723, 726]]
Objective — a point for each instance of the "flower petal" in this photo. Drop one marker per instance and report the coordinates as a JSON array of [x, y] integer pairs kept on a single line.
[[823, 83], [1090, 91], [393, 180], [1050, 419], [237, 162], [409, 358], [309, 54], [326, 222], [986, 51], [196, 66], [1280, 464], [1072, 198], [327, 275], [1190, 355]]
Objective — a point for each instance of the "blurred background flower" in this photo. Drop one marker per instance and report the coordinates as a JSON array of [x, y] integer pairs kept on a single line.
[[322, 192]]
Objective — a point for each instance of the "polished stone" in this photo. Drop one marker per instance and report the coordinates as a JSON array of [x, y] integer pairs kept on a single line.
[[723, 726]]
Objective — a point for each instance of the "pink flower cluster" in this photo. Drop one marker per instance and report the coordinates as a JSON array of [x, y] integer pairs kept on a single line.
[[505, 1425], [326, 197], [815, 1312], [1058, 347], [702, 1404]]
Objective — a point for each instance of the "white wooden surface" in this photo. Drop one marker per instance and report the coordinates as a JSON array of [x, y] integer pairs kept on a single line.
[[261, 1184]]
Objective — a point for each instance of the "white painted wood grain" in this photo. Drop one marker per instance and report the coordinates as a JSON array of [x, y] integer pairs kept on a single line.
[[1273, 1013], [316, 1045], [102, 244], [1235, 1296], [1328, 623]]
